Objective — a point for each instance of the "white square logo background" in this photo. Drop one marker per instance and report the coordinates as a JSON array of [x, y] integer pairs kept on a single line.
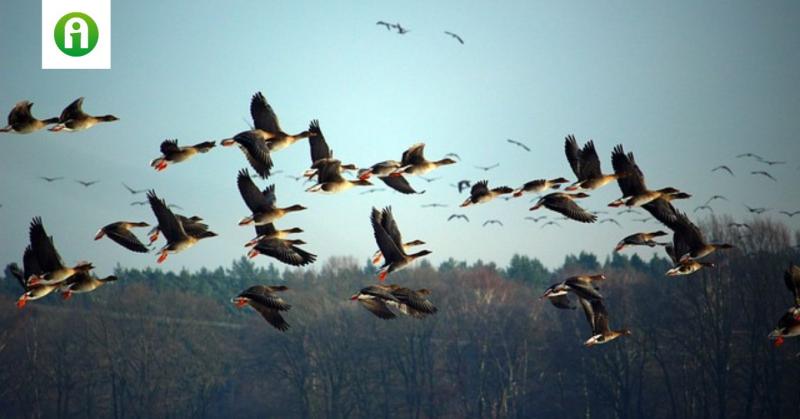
[[99, 57]]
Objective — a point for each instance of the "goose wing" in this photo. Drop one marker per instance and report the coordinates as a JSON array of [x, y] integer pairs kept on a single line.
[[264, 117], [42, 245]]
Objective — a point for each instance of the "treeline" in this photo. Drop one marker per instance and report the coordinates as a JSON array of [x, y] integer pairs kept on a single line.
[[158, 344]]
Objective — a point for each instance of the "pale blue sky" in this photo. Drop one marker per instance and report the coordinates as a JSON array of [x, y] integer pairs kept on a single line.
[[684, 85]]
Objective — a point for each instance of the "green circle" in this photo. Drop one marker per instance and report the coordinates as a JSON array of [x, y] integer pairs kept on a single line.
[[79, 21]]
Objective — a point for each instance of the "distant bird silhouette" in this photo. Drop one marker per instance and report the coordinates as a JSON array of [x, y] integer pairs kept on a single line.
[[550, 223], [139, 203], [456, 156], [725, 168], [431, 179], [295, 178], [641, 239], [763, 173], [772, 162], [488, 168], [373, 190], [454, 216], [87, 184], [517, 143], [400, 30], [790, 214], [174, 206], [434, 206], [716, 197], [536, 219], [755, 156], [756, 211], [610, 220], [740, 225], [599, 212], [133, 191], [642, 220], [458, 38], [628, 211], [463, 184], [487, 222], [50, 179], [704, 207], [388, 25]]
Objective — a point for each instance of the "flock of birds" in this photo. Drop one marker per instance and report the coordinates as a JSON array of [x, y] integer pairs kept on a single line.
[[402, 31], [44, 271]]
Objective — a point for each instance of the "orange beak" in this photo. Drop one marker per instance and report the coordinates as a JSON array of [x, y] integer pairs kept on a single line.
[[253, 253], [778, 341], [22, 301], [162, 257]]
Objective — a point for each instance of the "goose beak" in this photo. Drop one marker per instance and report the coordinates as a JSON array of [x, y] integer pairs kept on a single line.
[[227, 142], [22, 301], [778, 341], [100, 234]]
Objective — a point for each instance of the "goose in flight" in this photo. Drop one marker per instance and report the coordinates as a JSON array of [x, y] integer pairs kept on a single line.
[[480, 193], [457, 216], [177, 235], [390, 243], [172, 153], [725, 168], [264, 300], [586, 166], [21, 121], [764, 173], [457, 38], [378, 299], [73, 118]]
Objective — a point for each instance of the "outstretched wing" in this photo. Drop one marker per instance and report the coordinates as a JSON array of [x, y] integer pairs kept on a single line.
[[388, 246], [264, 117], [319, 147], [414, 155], [399, 183], [632, 183], [167, 222], [378, 308], [126, 239], [252, 196], [169, 147], [72, 111], [42, 246], [571, 210]]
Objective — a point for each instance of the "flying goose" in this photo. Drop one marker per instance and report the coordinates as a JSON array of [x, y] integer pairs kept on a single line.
[[21, 121], [390, 243], [263, 298], [73, 118]]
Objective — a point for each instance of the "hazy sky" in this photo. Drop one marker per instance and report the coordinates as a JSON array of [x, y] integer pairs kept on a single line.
[[686, 86]]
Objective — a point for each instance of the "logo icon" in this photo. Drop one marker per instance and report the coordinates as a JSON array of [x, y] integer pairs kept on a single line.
[[76, 34]]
